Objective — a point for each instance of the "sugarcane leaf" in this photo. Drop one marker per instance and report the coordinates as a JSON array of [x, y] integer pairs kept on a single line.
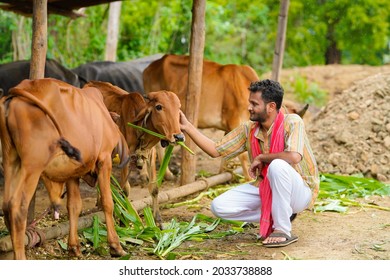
[[158, 135], [333, 205], [95, 227], [185, 147], [149, 219], [164, 164], [131, 240], [63, 245]]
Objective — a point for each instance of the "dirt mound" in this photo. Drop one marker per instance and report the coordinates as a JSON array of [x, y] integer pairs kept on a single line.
[[332, 78], [351, 134]]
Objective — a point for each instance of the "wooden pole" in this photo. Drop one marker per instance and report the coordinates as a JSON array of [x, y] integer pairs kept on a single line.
[[113, 31], [38, 59], [39, 40], [280, 41], [195, 71]]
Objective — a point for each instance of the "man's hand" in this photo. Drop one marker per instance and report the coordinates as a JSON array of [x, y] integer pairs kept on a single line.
[[183, 121], [256, 167]]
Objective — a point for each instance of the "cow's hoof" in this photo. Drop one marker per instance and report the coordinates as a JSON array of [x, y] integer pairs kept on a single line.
[[74, 251], [117, 252], [144, 179], [169, 176]]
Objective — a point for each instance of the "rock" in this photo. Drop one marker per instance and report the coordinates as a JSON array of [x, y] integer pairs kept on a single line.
[[353, 115], [386, 142]]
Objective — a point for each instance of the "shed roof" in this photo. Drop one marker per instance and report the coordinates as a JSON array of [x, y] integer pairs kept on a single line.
[[61, 7]]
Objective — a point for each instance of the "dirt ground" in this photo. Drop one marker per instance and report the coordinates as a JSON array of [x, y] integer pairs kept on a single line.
[[358, 234]]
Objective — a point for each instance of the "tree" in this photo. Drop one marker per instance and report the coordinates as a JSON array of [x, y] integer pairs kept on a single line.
[[342, 31]]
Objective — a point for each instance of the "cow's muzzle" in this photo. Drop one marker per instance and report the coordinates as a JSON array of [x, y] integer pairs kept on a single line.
[[178, 138]]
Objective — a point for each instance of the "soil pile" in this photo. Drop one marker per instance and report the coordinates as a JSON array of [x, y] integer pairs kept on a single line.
[[351, 134]]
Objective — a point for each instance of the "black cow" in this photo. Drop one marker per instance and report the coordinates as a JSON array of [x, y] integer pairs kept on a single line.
[[12, 73], [126, 75]]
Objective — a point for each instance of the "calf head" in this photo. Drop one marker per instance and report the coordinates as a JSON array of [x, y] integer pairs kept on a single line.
[[162, 115]]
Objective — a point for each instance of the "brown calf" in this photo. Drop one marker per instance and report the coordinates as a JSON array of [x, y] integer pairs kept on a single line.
[[159, 113]]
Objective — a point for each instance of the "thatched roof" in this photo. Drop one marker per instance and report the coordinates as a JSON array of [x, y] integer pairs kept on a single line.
[[61, 7]]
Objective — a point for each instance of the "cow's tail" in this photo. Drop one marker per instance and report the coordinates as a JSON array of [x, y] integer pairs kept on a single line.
[[68, 149]]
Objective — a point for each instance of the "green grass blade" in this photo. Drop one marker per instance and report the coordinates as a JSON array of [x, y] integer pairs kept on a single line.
[[186, 147], [95, 228], [158, 135], [164, 164], [149, 219]]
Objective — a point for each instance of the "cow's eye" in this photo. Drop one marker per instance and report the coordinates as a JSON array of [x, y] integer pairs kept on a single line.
[[158, 107]]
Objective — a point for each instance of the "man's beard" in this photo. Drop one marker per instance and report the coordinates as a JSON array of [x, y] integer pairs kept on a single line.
[[259, 117]]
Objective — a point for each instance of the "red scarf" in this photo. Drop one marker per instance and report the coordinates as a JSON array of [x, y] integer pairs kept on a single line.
[[276, 146]]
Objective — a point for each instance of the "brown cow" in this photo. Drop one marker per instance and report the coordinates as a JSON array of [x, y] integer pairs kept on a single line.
[[38, 121], [224, 93], [159, 114]]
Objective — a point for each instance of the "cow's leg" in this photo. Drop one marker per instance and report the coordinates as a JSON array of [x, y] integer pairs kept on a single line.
[[245, 166], [153, 187], [104, 171], [144, 174], [55, 192], [124, 181], [16, 208], [74, 204]]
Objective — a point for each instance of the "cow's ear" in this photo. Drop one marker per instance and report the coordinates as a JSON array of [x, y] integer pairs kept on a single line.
[[143, 114], [114, 116], [152, 96]]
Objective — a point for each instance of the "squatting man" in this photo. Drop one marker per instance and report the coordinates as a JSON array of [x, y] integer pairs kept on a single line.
[[282, 163]]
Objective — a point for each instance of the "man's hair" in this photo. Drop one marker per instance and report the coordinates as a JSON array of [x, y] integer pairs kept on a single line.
[[271, 91]]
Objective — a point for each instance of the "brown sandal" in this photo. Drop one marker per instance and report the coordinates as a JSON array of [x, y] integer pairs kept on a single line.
[[286, 242]]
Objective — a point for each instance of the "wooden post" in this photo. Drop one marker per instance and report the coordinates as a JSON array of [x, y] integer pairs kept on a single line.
[[39, 40], [38, 59], [112, 31], [194, 85], [280, 41]]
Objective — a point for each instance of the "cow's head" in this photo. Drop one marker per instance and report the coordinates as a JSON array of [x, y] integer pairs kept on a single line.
[[162, 115], [291, 107]]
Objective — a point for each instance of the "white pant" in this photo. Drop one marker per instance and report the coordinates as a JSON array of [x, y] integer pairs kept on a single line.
[[289, 195]]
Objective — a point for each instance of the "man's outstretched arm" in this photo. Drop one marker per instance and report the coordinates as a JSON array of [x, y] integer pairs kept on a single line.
[[201, 140]]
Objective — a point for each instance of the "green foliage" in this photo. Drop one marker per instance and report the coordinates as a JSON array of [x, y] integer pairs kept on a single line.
[[305, 91], [77, 41], [337, 192], [360, 30], [6, 23]]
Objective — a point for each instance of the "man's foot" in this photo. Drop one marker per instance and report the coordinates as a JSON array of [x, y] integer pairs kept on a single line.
[[293, 216], [279, 239]]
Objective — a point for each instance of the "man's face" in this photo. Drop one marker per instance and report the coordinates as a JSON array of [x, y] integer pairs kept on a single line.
[[257, 108]]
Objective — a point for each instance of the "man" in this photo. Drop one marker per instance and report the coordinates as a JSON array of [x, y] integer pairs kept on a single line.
[[283, 164]]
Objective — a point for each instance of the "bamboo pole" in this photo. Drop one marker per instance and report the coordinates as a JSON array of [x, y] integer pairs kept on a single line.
[[61, 230], [280, 41], [39, 40], [195, 71], [113, 30], [38, 59]]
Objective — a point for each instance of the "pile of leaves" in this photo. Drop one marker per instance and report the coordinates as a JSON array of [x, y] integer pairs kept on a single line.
[[135, 231]]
